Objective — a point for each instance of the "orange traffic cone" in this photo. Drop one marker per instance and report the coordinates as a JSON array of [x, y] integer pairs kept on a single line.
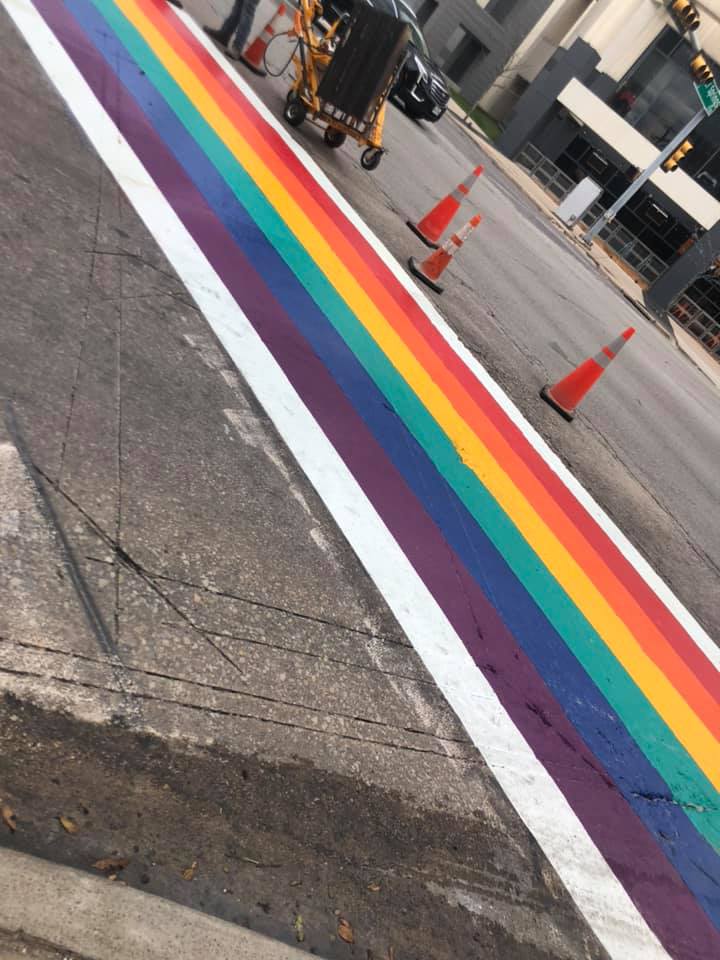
[[435, 223], [253, 57], [567, 394], [433, 265]]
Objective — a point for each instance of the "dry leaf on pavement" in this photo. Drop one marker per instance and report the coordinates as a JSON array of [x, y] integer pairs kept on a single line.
[[374, 887], [190, 871], [345, 931], [299, 929], [9, 819], [111, 864], [68, 824]]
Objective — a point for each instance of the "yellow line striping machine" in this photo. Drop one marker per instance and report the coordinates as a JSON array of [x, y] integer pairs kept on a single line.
[[344, 75]]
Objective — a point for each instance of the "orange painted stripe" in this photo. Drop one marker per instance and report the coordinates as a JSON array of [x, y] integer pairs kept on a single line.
[[653, 642], [387, 304]]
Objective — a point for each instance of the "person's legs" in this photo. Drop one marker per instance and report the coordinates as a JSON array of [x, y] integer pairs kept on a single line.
[[244, 26], [229, 25]]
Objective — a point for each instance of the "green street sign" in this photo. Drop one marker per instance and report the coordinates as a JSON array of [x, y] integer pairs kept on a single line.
[[709, 96]]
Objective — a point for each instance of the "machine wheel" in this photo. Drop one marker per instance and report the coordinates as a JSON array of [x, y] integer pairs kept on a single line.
[[295, 110], [334, 138], [370, 158]]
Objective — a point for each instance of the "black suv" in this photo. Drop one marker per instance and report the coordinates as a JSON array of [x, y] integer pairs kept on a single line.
[[421, 88]]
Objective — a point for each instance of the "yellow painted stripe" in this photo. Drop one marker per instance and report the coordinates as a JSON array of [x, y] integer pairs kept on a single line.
[[657, 687]]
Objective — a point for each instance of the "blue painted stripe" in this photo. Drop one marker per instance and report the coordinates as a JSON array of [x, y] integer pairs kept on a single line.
[[589, 711], [641, 720]]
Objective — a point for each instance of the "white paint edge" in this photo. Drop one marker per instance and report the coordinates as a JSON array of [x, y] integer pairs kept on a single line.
[[599, 895], [651, 577]]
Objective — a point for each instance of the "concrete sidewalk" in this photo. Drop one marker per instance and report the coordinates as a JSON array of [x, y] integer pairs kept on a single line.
[[194, 663], [48, 911]]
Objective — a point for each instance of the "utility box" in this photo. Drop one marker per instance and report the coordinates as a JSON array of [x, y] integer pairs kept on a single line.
[[577, 203]]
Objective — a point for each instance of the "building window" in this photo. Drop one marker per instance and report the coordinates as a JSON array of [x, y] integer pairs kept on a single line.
[[426, 9], [500, 10], [656, 97], [643, 216], [518, 86], [463, 51]]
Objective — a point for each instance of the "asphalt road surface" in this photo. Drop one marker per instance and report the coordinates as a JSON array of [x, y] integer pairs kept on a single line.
[[532, 305]]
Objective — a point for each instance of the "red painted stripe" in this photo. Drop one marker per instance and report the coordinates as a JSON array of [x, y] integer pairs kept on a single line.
[[364, 260], [573, 509]]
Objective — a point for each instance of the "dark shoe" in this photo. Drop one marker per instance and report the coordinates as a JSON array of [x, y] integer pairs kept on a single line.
[[233, 53], [216, 35], [176, 3]]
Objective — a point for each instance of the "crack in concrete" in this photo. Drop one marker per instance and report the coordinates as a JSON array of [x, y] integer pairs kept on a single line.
[[135, 257], [278, 609], [313, 656], [216, 711], [149, 579], [127, 561], [141, 571], [85, 317], [118, 450], [219, 688], [152, 295], [92, 613], [662, 798]]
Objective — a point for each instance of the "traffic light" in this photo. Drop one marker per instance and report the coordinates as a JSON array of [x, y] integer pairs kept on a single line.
[[700, 69], [674, 159], [685, 14]]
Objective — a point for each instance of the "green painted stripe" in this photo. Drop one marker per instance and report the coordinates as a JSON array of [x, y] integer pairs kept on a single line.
[[687, 782]]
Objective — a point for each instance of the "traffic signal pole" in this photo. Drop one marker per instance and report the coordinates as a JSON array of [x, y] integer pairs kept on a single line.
[[639, 181]]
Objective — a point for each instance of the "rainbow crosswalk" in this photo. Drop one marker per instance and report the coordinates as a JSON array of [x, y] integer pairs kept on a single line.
[[576, 669]]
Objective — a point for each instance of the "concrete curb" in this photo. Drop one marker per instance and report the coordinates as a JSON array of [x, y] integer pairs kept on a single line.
[[102, 920], [696, 353]]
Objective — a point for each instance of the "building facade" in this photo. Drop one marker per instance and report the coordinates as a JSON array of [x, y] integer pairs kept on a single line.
[[606, 85], [474, 41], [596, 88]]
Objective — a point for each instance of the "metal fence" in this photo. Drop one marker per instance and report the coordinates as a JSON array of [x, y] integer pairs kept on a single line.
[[697, 322], [632, 251], [545, 172], [625, 245], [620, 240]]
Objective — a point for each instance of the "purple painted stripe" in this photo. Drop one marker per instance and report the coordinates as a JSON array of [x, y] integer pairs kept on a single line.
[[630, 850]]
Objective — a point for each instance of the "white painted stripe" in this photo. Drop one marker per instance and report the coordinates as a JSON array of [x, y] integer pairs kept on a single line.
[[588, 878], [651, 577]]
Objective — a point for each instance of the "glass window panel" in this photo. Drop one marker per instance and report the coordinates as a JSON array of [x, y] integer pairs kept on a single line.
[[668, 41]]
